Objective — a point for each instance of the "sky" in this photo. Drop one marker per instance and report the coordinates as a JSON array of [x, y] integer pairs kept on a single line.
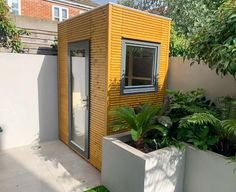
[[104, 1]]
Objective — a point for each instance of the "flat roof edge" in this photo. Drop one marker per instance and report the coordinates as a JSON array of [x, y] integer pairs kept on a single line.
[[116, 5], [140, 11]]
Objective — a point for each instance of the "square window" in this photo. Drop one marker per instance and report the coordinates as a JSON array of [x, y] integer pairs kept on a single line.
[[60, 13], [139, 66]]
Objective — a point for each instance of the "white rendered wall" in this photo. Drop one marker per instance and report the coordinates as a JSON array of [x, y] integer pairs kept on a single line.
[[28, 99], [184, 77]]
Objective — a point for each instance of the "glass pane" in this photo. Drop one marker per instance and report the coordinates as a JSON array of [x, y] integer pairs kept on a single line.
[[64, 14], [15, 7], [139, 65], [56, 12], [78, 86]]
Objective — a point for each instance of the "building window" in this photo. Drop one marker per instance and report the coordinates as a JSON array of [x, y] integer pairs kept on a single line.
[[139, 66], [60, 13], [14, 6]]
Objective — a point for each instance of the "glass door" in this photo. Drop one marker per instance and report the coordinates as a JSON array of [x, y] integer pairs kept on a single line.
[[79, 96]]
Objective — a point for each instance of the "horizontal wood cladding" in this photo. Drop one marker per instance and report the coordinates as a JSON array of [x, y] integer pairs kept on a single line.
[[90, 26], [105, 27], [130, 24]]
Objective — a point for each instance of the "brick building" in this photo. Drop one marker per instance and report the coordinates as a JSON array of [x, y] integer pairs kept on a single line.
[[57, 10]]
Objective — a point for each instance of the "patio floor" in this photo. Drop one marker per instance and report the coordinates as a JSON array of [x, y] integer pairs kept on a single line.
[[48, 167]]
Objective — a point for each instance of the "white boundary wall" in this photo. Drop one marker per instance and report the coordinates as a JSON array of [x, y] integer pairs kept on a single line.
[[184, 77], [28, 99]]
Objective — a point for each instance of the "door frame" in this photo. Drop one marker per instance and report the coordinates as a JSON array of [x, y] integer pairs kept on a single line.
[[71, 46]]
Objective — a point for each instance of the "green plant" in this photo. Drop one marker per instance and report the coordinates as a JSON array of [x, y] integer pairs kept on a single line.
[[98, 189], [139, 122], [227, 106], [199, 129], [215, 43], [205, 131], [183, 104], [1, 129], [227, 134], [178, 43], [9, 34], [54, 46]]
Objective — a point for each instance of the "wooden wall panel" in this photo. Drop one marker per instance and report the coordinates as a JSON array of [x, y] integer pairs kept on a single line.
[[92, 26], [131, 24], [105, 27]]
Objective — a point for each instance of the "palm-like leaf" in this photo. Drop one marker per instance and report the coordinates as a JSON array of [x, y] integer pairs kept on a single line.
[[124, 118], [139, 124]]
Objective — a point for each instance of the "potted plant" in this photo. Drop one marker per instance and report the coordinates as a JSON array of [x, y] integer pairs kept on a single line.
[[210, 131], [210, 160], [137, 161]]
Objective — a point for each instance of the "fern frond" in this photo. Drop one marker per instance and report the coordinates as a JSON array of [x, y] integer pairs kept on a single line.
[[229, 127], [199, 119]]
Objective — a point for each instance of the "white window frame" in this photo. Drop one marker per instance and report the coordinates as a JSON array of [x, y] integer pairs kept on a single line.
[[9, 2], [60, 12], [139, 88]]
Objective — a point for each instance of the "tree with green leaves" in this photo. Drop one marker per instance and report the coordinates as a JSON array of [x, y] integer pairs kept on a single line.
[[144, 5], [9, 34], [215, 43]]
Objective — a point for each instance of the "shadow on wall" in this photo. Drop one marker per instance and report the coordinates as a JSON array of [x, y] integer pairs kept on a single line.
[[47, 101], [165, 172]]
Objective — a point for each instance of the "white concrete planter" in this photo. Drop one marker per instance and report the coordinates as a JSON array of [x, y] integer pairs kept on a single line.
[[126, 169], [206, 171]]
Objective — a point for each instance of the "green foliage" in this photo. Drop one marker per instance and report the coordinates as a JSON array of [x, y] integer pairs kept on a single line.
[[187, 117], [138, 123], [215, 42], [183, 104], [228, 128], [54, 46], [178, 44], [98, 189], [190, 16], [150, 5], [205, 125], [199, 129], [9, 34], [228, 107], [1, 129]]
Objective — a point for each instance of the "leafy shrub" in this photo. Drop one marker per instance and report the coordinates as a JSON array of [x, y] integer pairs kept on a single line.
[[227, 134], [199, 129], [187, 117], [205, 125], [183, 104], [139, 122], [9, 34], [227, 106]]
